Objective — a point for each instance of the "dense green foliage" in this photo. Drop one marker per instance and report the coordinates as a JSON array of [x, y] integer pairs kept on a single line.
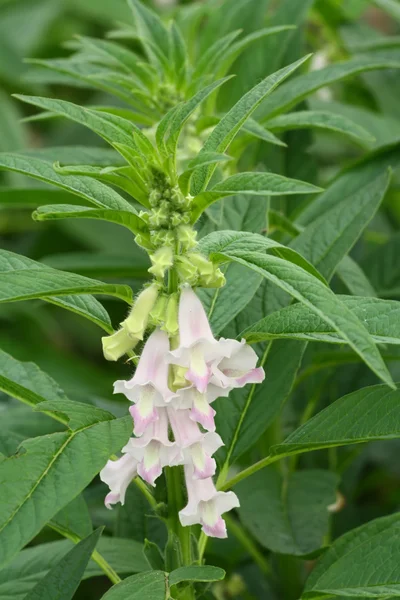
[[279, 119]]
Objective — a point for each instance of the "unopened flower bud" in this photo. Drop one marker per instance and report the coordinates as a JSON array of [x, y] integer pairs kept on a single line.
[[171, 316], [161, 260], [157, 315], [187, 237], [144, 241], [187, 271], [154, 198], [158, 217], [162, 237], [144, 215], [117, 344], [135, 324], [214, 280], [175, 219]]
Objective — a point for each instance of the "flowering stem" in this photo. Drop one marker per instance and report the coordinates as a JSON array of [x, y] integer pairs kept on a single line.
[[175, 504], [264, 462]]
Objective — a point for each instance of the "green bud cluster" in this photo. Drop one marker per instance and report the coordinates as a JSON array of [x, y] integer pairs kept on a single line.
[[197, 270]]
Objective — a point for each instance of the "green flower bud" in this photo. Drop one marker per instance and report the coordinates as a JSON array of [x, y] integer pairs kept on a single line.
[[187, 237], [215, 280], [175, 219], [158, 218], [163, 237], [154, 197], [117, 344], [135, 324], [144, 215], [187, 271], [204, 266], [161, 260], [171, 316], [144, 241], [158, 314]]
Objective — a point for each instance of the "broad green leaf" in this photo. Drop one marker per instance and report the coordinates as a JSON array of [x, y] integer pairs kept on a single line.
[[110, 127], [86, 306], [288, 516], [363, 563], [240, 241], [231, 123], [74, 519], [311, 292], [354, 278], [372, 413], [258, 184], [93, 191], [77, 155], [380, 317], [223, 304], [383, 268], [351, 180], [23, 279], [152, 585], [196, 573], [319, 120], [294, 91], [39, 481], [326, 240], [33, 563], [26, 382], [62, 581], [67, 211]]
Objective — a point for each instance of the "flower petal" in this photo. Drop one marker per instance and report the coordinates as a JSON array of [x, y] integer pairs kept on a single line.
[[118, 474]]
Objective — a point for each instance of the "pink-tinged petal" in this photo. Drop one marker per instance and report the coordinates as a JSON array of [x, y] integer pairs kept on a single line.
[[149, 470], [203, 413], [256, 375], [193, 321], [143, 415], [152, 358], [217, 530], [186, 432], [203, 466], [118, 474]]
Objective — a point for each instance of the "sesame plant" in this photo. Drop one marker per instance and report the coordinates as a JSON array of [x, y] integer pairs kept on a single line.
[[251, 334]]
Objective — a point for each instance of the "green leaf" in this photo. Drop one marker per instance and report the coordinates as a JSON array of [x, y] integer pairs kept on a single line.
[[259, 131], [74, 519], [294, 91], [362, 563], [391, 7], [62, 581], [326, 240], [350, 181], [86, 306], [381, 318], [77, 155], [31, 198], [66, 211], [383, 267], [153, 555], [319, 120], [223, 304], [354, 278], [231, 123], [40, 481], [110, 127], [91, 190], [184, 112], [12, 132], [372, 413], [258, 184], [152, 586], [288, 516], [26, 382], [23, 279], [150, 26], [196, 573], [214, 54], [108, 265], [207, 158], [32, 564], [311, 292]]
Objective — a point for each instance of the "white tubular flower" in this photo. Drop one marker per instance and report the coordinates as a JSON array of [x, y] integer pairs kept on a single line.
[[205, 505], [118, 474], [196, 447], [226, 363], [153, 450], [148, 388], [238, 369], [201, 412]]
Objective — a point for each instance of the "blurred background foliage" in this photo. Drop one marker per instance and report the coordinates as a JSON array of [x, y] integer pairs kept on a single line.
[[69, 348]]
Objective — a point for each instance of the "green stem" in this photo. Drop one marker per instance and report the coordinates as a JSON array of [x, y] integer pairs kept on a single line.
[[264, 462], [96, 556], [175, 504]]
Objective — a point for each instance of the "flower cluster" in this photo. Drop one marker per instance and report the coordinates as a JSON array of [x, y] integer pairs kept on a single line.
[[171, 393]]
